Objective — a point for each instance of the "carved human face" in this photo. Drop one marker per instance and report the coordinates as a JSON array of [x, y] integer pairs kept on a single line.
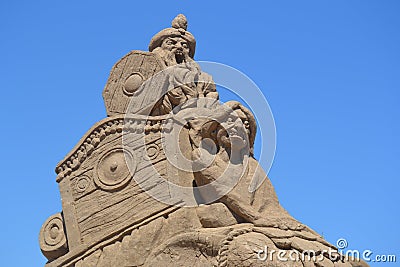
[[178, 46], [233, 133]]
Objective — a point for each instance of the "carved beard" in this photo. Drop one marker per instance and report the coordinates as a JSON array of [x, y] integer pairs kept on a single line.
[[173, 57]]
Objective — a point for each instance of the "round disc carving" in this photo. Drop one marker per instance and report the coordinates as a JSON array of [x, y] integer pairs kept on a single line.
[[133, 83], [82, 183], [115, 169], [152, 151], [54, 232], [52, 239]]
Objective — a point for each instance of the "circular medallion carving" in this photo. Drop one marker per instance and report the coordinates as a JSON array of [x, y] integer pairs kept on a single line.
[[115, 169], [152, 151], [133, 83], [52, 239], [82, 183], [54, 232]]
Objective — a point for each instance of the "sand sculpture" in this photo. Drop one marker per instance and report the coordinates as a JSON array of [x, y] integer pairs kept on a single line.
[[169, 177]]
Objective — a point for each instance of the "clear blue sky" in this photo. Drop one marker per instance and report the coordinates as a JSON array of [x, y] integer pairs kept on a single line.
[[329, 69]]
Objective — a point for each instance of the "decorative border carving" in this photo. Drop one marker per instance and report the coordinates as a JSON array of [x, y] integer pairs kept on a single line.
[[104, 128], [222, 257]]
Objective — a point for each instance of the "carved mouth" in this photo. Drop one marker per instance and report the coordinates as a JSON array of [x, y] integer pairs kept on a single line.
[[179, 56]]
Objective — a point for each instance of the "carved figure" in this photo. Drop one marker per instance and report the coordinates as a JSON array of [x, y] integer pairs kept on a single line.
[[176, 47], [259, 206]]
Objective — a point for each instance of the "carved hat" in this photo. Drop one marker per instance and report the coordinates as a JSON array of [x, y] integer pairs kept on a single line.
[[179, 26]]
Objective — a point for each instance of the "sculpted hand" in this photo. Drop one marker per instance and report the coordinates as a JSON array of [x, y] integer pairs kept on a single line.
[[283, 223]]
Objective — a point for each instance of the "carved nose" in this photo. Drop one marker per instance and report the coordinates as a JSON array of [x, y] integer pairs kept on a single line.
[[114, 166]]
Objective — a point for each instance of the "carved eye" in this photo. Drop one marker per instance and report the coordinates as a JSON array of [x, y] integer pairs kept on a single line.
[[184, 45]]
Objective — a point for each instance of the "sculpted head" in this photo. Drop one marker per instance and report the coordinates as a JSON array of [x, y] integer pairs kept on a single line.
[[174, 45], [177, 47], [237, 130]]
